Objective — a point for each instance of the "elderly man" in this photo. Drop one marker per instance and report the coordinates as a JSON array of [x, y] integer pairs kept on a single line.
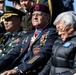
[[63, 60], [11, 19], [34, 49]]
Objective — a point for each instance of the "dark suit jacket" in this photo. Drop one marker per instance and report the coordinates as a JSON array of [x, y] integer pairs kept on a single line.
[[37, 55]]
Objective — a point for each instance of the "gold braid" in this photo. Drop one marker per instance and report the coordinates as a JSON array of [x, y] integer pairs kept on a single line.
[[37, 1], [50, 8]]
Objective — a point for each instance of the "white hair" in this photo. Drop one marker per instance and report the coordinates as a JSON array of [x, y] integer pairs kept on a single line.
[[68, 18]]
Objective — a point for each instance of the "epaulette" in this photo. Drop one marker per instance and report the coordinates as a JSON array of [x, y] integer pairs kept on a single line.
[[7, 33], [1, 39], [21, 33]]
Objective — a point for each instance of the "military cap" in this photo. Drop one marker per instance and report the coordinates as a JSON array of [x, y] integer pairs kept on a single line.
[[18, 1], [11, 11], [1, 0], [40, 7]]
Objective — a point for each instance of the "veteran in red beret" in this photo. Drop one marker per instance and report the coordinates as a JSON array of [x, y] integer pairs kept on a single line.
[[34, 49], [40, 7]]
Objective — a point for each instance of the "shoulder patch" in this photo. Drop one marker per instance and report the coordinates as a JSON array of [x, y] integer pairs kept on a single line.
[[33, 59], [67, 44]]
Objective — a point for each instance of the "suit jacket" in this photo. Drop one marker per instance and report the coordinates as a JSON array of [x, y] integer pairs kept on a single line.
[[37, 53]]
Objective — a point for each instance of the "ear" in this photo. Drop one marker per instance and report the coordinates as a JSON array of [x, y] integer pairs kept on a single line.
[[47, 17], [71, 30]]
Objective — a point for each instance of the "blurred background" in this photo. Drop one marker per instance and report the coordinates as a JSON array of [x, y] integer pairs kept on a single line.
[[10, 4]]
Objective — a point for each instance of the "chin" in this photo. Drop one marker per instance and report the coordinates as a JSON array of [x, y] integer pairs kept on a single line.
[[35, 24]]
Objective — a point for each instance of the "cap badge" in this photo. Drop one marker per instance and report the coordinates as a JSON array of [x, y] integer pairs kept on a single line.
[[37, 7]]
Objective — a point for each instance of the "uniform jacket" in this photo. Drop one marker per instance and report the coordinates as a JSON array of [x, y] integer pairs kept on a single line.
[[63, 60], [37, 53], [10, 41], [26, 22]]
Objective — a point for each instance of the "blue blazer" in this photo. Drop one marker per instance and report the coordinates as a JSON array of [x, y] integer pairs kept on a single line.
[[37, 53]]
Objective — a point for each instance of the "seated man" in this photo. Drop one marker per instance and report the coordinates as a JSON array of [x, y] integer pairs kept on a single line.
[[63, 59], [34, 49], [12, 19]]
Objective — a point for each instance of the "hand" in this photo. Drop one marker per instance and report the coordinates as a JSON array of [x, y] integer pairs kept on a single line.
[[9, 72], [74, 74]]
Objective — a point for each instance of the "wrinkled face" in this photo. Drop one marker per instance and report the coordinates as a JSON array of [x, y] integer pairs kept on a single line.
[[39, 19], [64, 31], [10, 24], [25, 4], [1, 5]]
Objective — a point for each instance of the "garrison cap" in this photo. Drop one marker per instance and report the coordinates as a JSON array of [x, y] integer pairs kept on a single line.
[[10, 11], [40, 7]]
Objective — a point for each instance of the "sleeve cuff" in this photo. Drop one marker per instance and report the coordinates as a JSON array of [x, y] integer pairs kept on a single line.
[[18, 70]]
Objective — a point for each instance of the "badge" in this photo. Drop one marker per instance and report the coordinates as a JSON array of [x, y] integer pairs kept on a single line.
[[14, 44], [17, 40], [37, 7], [25, 40], [35, 58], [10, 44], [21, 50], [67, 44], [36, 50], [32, 40], [43, 39]]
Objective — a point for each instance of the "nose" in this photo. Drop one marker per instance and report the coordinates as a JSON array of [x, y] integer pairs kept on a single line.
[[6, 22], [35, 16]]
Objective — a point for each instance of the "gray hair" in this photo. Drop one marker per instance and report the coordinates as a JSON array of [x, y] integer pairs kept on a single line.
[[68, 18]]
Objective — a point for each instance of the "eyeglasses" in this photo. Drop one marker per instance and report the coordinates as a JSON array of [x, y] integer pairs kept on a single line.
[[37, 14], [63, 29]]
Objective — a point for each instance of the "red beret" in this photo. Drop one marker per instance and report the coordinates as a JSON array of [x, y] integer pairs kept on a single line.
[[40, 7]]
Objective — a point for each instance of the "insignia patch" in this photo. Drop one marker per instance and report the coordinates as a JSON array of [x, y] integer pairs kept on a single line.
[[25, 40], [10, 44], [36, 50], [17, 40], [43, 39], [37, 7], [32, 40], [14, 44], [21, 50], [67, 44], [33, 59]]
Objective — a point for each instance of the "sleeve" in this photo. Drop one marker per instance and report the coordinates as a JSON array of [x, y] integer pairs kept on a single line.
[[72, 70], [46, 69], [7, 60], [42, 57]]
